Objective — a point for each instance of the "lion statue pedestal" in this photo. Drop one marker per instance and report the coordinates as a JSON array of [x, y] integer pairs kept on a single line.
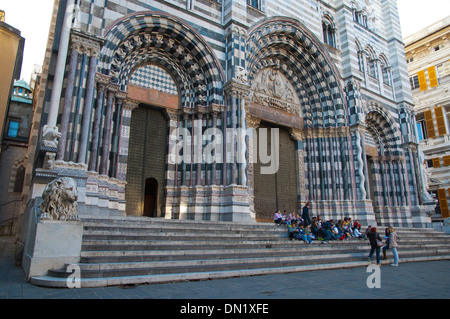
[[55, 239]]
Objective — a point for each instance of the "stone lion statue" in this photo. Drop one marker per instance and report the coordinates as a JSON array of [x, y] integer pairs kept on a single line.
[[60, 200]]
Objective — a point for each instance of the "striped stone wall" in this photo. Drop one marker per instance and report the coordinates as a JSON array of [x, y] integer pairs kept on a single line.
[[351, 117]]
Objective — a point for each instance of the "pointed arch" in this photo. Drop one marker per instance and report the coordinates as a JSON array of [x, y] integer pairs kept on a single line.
[[382, 125], [158, 37], [290, 46]]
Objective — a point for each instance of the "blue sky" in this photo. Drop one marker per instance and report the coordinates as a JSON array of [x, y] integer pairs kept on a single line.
[[32, 18]]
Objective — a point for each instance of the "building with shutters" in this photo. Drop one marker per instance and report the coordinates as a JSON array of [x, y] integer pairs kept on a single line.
[[229, 110], [428, 57]]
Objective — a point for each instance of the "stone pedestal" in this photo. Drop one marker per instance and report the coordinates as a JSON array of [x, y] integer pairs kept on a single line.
[[50, 244]]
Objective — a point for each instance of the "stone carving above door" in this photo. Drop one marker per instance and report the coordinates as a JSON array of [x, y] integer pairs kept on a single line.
[[271, 88]]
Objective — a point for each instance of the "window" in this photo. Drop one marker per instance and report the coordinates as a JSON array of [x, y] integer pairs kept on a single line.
[[360, 17], [13, 128], [429, 123], [436, 162], [437, 48], [446, 160], [443, 203], [329, 33], [414, 82], [440, 121], [442, 70], [421, 130], [410, 60], [371, 67], [385, 71], [18, 182], [361, 61], [255, 4]]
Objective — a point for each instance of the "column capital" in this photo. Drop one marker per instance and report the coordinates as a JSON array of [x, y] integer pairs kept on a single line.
[[121, 96], [252, 121], [130, 104], [102, 80], [296, 134], [85, 43], [236, 88]]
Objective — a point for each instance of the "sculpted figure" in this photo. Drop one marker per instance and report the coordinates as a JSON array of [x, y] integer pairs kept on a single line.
[[60, 200], [50, 136]]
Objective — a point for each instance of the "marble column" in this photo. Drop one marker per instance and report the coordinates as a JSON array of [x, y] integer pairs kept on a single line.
[[184, 165], [64, 126], [60, 65], [233, 139], [120, 97], [87, 110], [101, 87], [213, 180], [106, 139], [242, 143], [198, 147]]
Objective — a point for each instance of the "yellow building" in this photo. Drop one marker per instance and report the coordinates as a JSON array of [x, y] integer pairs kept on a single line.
[[11, 54], [428, 57]]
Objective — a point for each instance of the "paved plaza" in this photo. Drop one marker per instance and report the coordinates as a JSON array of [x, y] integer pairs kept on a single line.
[[421, 280]]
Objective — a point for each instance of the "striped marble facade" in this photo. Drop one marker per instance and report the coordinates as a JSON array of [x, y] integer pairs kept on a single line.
[[201, 61]]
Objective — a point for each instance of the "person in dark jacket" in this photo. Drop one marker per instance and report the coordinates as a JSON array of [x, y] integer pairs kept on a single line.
[[373, 237], [305, 215]]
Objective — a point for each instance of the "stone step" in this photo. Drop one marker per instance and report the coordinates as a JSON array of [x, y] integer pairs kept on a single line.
[[61, 282], [175, 255], [133, 250], [99, 270]]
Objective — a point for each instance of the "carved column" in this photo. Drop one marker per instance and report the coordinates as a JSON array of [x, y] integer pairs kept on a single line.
[[198, 141], [214, 180], [298, 136], [239, 92], [88, 101], [102, 81], [64, 127], [361, 163], [124, 138], [106, 139], [233, 138], [120, 97], [185, 149]]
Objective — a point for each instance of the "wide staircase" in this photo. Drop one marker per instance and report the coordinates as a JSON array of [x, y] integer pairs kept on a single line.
[[138, 250]]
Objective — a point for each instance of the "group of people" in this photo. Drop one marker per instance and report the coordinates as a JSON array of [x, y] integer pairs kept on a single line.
[[303, 227], [377, 245]]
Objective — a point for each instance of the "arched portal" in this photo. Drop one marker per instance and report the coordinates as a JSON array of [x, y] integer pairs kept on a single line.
[[387, 183], [168, 72], [295, 84]]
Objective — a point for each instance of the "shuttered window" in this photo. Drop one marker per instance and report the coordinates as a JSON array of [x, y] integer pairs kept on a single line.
[[432, 76], [443, 203], [429, 123], [440, 120], [446, 160], [436, 162], [422, 80]]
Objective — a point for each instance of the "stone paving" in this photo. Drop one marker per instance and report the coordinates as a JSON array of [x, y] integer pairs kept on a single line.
[[421, 280]]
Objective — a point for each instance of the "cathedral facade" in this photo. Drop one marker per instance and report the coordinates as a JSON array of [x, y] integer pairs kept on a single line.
[[229, 110]]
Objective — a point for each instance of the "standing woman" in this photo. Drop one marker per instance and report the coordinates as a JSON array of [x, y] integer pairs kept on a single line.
[[391, 244], [305, 215], [374, 238]]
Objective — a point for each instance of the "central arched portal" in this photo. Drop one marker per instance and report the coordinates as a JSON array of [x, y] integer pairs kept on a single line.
[[276, 190], [146, 159]]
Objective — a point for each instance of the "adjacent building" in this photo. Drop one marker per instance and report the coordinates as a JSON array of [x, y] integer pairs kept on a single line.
[[229, 110], [428, 58], [11, 54]]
